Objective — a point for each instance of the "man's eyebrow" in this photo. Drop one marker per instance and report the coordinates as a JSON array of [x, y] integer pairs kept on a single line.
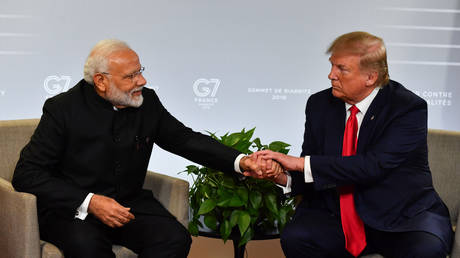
[[338, 64], [134, 71]]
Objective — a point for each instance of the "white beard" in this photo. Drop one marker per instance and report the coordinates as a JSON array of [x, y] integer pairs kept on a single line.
[[120, 98]]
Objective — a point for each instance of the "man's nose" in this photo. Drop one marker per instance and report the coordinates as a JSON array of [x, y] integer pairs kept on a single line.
[[332, 75], [141, 81]]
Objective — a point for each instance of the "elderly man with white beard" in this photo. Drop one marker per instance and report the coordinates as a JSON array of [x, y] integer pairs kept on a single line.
[[86, 161]]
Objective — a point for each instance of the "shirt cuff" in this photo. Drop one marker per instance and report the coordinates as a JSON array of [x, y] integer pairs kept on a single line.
[[82, 211], [287, 188], [237, 163], [307, 170]]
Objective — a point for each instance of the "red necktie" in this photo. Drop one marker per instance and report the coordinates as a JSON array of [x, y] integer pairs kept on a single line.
[[352, 225]]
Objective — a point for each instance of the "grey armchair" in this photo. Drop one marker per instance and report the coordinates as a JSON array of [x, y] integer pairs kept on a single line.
[[444, 161], [19, 233]]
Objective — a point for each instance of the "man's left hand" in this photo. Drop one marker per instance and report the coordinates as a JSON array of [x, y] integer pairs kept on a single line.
[[258, 167]]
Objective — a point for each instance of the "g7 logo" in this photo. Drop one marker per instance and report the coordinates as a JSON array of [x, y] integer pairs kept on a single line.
[[56, 87], [206, 88]]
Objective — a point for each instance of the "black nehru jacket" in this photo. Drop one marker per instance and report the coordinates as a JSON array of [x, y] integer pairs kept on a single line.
[[82, 145]]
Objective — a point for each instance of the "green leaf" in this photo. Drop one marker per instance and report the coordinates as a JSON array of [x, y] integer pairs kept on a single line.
[[193, 228], [270, 203], [253, 218], [253, 212], [235, 201], [234, 138], [223, 139], [248, 235], [226, 213], [224, 192], [213, 135], [283, 217], [228, 182], [234, 218], [206, 191], [255, 198], [224, 197], [224, 202], [192, 169], [243, 194], [249, 133], [207, 206], [211, 222], [243, 146], [258, 143], [211, 183], [244, 219], [279, 147], [225, 230]]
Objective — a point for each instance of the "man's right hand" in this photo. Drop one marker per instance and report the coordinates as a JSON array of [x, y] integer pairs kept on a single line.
[[109, 211], [288, 162]]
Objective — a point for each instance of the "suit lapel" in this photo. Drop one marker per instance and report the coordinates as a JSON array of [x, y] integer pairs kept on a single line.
[[335, 127], [373, 115]]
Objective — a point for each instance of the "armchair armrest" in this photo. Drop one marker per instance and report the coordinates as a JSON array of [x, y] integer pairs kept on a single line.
[[171, 192], [19, 236], [456, 245]]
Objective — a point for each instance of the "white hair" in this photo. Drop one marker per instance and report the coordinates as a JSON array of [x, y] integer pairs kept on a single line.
[[98, 57]]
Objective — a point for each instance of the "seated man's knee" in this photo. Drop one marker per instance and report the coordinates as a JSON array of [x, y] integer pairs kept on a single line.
[[422, 245], [429, 249], [295, 240], [87, 245], [311, 240], [177, 238], [291, 235], [180, 238]]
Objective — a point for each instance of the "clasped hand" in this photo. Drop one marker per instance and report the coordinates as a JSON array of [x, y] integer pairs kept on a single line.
[[271, 165], [258, 166]]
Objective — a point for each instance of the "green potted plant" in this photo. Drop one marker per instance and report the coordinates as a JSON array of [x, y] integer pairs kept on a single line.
[[235, 206]]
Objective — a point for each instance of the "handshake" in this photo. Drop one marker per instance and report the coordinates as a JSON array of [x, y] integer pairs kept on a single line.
[[270, 165]]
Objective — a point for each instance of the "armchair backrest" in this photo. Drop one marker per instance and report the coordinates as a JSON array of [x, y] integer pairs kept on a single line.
[[14, 135], [444, 161]]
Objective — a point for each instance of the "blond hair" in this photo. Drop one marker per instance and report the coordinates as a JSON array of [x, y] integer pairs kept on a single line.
[[370, 48]]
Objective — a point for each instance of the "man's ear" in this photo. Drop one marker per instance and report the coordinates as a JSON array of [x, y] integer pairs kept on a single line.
[[372, 77], [100, 82]]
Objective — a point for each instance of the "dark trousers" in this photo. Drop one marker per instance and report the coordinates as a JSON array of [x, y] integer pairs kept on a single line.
[[318, 233], [146, 235]]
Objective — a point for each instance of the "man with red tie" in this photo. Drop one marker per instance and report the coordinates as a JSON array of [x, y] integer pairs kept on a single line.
[[363, 171]]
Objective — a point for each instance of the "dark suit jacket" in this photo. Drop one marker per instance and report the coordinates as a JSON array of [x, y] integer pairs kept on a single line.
[[83, 145], [390, 172]]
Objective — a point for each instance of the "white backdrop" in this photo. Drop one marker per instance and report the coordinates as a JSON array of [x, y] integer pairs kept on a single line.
[[226, 65]]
